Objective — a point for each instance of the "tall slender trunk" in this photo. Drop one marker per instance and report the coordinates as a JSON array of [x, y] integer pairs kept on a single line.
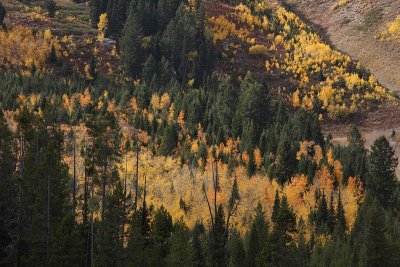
[[92, 237], [137, 171], [86, 190], [74, 181], [124, 204], [48, 217], [103, 192], [20, 193]]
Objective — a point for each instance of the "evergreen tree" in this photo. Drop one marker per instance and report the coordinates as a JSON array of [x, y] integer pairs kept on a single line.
[[199, 253], [276, 208], [162, 229], [236, 251], [375, 249], [381, 180], [217, 239], [2, 14], [181, 251], [355, 158], [110, 231], [8, 194], [253, 105], [258, 238], [51, 7], [69, 243], [96, 9], [131, 43], [169, 140], [282, 236], [139, 236]]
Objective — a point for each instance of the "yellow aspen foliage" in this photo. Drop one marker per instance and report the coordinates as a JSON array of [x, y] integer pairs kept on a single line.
[[102, 26], [171, 113], [164, 101], [257, 158], [355, 185], [338, 171], [326, 95], [329, 157], [181, 119], [392, 30], [295, 189], [257, 50], [245, 158], [155, 102], [296, 99], [195, 147], [85, 98], [22, 47], [325, 180], [133, 104]]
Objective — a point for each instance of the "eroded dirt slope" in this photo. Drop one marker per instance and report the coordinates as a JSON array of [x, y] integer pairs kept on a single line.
[[354, 29]]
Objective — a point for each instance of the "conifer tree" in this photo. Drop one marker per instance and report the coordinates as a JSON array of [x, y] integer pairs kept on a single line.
[[162, 229], [381, 181], [8, 194], [258, 238], [2, 14], [198, 250], [276, 208], [131, 43], [181, 252], [236, 251]]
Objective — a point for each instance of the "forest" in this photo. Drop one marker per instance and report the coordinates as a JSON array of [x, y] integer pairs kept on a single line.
[[187, 133]]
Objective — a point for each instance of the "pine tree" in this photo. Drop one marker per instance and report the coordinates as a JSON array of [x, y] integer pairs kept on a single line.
[[181, 252], [217, 239], [198, 250], [236, 251], [109, 234], [341, 224], [375, 250], [8, 194], [276, 208], [139, 237], [258, 238], [169, 140], [131, 43], [282, 235], [3, 13], [162, 229], [96, 8], [355, 158], [382, 163], [68, 248], [51, 7]]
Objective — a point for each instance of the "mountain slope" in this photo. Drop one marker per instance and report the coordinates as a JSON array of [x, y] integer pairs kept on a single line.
[[355, 29]]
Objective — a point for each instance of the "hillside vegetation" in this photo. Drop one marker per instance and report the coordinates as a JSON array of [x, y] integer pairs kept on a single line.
[[187, 133]]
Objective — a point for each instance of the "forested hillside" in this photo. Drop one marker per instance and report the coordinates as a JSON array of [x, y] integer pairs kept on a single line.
[[188, 133]]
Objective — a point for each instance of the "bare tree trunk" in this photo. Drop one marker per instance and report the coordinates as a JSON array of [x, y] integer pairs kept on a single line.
[[48, 217], [103, 193], [137, 171], [92, 237], [124, 205], [74, 181]]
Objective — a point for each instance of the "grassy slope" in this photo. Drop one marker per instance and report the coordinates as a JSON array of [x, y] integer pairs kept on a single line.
[[354, 29]]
